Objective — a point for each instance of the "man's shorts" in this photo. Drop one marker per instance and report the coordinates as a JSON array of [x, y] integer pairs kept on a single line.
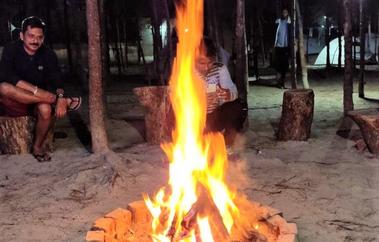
[[13, 108]]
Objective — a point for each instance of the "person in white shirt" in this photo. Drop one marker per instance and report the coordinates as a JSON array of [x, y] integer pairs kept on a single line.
[[281, 45], [225, 111]]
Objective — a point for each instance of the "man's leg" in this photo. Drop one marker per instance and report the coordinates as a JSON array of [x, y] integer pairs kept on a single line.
[[281, 66], [44, 119]]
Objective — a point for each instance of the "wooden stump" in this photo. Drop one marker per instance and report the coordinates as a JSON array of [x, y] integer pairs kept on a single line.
[[159, 117], [369, 126], [17, 134], [297, 115]]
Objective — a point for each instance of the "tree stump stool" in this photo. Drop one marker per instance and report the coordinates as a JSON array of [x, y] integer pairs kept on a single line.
[[369, 126], [159, 117], [297, 115], [17, 135]]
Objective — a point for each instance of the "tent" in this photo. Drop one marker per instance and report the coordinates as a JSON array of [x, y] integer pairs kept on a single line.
[[372, 45]]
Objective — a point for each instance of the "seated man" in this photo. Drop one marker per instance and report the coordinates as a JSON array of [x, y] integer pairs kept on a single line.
[[225, 111], [30, 82]]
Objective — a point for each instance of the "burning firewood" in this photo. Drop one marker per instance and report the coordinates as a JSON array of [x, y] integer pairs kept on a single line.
[[203, 207]]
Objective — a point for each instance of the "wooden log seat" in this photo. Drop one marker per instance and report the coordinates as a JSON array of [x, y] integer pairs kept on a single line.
[[159, 117], [17, 135], [297, 115], [369, 126]]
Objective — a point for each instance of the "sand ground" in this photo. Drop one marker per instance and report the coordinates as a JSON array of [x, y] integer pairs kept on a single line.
[[324, 185]]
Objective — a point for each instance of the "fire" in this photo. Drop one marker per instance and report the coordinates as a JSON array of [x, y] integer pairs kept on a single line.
[[198, 200]]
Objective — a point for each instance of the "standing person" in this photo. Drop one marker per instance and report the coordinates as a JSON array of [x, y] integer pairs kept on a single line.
[[31, 84], [225, 111], [282, 40]]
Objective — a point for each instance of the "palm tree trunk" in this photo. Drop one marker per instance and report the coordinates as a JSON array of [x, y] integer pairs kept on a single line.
[[348, 76], [96, 106]]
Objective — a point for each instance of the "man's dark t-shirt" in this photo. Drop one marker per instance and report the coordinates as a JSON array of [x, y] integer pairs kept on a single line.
[[40, 69]]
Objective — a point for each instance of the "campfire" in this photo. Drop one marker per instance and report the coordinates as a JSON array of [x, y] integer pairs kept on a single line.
[[198, 204]]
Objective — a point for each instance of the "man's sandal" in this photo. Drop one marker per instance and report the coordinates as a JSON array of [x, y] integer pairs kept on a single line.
[[75, 103], [44, 157]]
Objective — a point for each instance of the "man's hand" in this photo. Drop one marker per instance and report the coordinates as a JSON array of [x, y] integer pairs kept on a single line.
[[223, 95], [212, 101], [45, 96], [61, 108]]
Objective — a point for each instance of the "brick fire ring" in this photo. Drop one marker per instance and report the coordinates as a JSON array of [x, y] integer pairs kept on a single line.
[[131, 224]]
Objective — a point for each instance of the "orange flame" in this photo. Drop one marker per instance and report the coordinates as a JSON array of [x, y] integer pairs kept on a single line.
[[197, 162]]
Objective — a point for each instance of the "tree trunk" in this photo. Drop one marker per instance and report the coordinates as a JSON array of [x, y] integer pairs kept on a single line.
[[240, 50], [67, 36], [261, 38], [119, 45], [168, 53], [46, 13], [116, 47], [293, 49], [104, 42], [348, 76], [77, 43], [354, 51], [156, 21], [160, 15], [340, 30], [212, 21], [303, 60], [125, 33], [327, 42], [297, 115], [362, 49], [96, 107]]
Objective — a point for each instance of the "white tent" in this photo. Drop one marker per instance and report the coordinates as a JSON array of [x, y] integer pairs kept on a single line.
[[372, 44]]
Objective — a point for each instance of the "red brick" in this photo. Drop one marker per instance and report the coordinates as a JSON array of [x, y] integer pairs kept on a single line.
[[95, 236], [123, 219], [287, 238], [140, 213]]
